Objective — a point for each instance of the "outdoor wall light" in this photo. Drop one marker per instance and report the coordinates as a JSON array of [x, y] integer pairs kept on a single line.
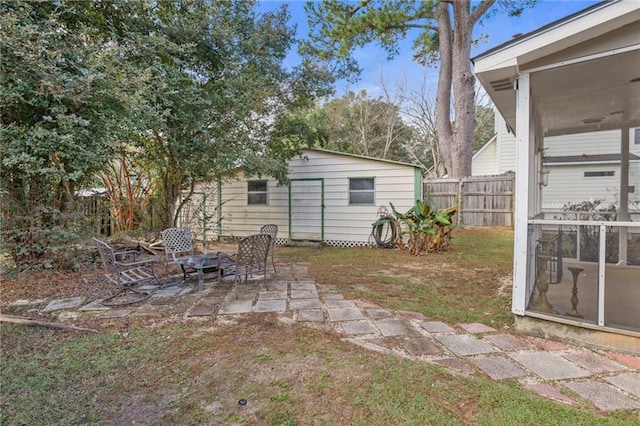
[[544, 174], [305, 158]]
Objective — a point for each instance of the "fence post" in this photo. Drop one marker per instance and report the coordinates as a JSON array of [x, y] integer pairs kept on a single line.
[[459, 219]]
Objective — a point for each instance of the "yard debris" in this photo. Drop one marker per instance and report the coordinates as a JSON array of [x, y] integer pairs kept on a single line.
[[27, 321]]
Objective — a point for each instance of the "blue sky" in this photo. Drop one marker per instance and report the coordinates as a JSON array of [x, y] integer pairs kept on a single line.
[[498, 29]]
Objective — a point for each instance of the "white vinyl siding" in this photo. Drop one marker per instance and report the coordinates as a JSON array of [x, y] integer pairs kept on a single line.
[[343, 222], [240, 219], [567, 184], [505, 148], [593, 143], [394, 183], [485, 161]]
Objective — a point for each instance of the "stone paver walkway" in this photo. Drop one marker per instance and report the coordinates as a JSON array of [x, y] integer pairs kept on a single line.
[[609, 380]]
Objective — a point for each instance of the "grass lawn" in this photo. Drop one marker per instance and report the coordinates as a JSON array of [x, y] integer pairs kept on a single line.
[[171, 370]]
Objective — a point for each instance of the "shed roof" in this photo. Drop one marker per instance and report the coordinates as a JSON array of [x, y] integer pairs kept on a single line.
[[363, 157]]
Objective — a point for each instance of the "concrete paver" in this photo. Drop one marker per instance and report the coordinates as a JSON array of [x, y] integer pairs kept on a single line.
[[549, 366], [593, 362], [236, 307], [476, 327], [379, 313], [277, 286], [498, 367], [437, 327], [507, 342], [549, 391], [465, 344], [299, 304], [628, 382], [338, 303], [357, 327], [304, 294], [71, 303], [412, 315], [273, 295], [603, 395], [311, 315], [344, 314], [366, 304], [420, 346], [393, 327], [270, 306], [332, 296]]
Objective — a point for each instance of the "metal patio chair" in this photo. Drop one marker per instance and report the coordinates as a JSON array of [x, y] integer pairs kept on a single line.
[[251, 258], [178, 245], [271, 230], [125, 270]]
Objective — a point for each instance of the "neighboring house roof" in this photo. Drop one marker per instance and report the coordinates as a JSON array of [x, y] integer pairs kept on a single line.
[[599, 159], [328, 151]]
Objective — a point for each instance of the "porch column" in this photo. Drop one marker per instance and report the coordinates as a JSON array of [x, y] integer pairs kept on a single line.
[[521, 240], [624, 194]]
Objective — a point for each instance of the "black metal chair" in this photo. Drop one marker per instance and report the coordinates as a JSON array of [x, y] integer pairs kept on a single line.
[[125, 270], [251, 258], [271, 230]]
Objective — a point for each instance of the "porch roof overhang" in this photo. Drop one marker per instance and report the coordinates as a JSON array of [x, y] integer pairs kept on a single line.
[[585, 70]]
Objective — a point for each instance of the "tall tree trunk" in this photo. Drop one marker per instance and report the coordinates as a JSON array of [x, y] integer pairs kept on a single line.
[[443, 101], [463, 90]]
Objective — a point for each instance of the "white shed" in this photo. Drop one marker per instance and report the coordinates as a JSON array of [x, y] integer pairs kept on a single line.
[[332, 197]]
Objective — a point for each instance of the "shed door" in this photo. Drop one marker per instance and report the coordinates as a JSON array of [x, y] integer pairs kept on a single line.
[[306, 202]]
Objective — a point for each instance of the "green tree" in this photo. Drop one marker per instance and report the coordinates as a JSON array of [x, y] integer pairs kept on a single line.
[[216, 86], [443, 32], [187, 90], [359, 124], [59, 111]]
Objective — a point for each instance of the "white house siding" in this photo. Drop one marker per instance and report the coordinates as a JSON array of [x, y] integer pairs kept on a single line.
[[505, 147], [485, 160], [498, 156], [567, 184], [344, 224], [593, 143]]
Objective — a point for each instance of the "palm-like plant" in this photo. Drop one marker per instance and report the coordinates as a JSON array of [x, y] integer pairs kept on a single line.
[[429, 229]]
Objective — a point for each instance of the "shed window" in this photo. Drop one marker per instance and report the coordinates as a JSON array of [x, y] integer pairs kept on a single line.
[[600, 174], [362, 191], [257, 192], [636, 136]]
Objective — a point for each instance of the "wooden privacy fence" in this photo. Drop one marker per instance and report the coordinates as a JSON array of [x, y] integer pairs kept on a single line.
[[482, 200]]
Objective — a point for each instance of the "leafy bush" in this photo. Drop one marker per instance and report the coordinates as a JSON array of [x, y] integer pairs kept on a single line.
[[594, 210], [429, 229]]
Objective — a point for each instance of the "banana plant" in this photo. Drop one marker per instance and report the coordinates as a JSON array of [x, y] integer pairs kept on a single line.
[[428, 228]]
